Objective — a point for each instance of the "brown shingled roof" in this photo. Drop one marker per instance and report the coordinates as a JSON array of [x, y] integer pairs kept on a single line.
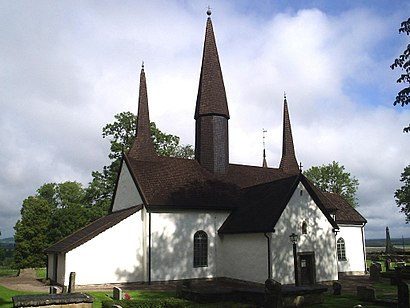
[[345, 213], [91, 230], [162, 180], [263, 205]]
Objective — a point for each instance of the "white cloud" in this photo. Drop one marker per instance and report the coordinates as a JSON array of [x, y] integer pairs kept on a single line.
[[68, 67]]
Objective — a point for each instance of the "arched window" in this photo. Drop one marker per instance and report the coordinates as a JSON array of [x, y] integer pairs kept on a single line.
[[341, 249], [200, 249], [304, 227]]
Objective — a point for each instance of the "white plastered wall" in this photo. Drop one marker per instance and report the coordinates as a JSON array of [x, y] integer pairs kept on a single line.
[[355, 253], [172, 244], [113, 256], [245, 255], [127, 194], [319, 239]]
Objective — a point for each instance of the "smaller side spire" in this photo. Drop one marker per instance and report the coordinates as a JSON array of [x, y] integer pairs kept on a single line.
[[264, 162], [143, 146], [288, 163]]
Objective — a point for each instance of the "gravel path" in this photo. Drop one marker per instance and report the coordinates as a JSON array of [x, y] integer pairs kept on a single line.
[[25, 281]]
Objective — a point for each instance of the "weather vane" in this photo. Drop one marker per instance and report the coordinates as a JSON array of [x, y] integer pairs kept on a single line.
[[263, 136]]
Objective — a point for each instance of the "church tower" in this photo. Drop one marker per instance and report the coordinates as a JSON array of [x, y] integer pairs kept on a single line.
[[288, 163], [143, 146], [211, 111]]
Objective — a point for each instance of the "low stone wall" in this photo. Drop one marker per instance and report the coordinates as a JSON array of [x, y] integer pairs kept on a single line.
[[62, 300]]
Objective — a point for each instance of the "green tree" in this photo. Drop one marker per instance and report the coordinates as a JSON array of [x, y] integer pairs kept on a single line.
[[122, 134], [403, 61], [70, 210], [31, 233], [334, 178], [402, 195]]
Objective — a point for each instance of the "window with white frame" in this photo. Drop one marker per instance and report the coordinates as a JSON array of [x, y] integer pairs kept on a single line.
[[341, 249], [200, 249]]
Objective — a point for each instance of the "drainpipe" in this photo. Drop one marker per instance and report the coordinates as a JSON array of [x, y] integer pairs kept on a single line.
[[269, 256], [364, 249], [149, 248]]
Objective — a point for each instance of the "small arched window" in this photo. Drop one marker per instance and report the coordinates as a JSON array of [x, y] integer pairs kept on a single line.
[[304, 227], [341, 249], [200, 249]]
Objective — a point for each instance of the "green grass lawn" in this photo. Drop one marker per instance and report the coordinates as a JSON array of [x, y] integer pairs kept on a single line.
[[7, 294], [348, 299]]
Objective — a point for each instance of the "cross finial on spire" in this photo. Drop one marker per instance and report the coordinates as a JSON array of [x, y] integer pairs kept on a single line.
[[300, 167], [284, 96], [142, 65]]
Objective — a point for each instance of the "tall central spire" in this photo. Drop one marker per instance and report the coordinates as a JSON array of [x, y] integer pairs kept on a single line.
[[143, 146], [288, 163], [211, 112]]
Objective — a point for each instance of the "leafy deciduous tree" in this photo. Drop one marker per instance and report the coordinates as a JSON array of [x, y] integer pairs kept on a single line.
[[403, 61], [31, 233], [334, 178], [402, 195]]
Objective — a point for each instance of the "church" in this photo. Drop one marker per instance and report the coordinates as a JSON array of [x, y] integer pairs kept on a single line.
[[174, 218]]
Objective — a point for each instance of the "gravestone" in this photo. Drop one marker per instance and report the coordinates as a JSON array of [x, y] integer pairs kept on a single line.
[[273, 294], [374, 272], [53, 290], [403, 295], [387, 264], [116, 293], [366, 294], [400, 264], [337, 288], [71, 283]]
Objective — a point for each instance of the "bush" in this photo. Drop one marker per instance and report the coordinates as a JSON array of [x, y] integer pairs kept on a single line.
[[171, 302]]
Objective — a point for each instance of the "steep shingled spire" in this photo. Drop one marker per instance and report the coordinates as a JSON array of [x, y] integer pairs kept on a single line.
[[211, 99], [143, 146], [211, 111], [288, 163]]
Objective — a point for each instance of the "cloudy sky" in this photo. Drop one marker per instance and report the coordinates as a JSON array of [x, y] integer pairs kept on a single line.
[[67, 67]]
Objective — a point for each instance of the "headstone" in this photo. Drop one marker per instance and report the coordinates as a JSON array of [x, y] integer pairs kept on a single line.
[[403, 295], [273, 294], [374, 272], [337, 288], [379, 265], [387, 264], [401, 264], [71, 283], [116, 293], [366, 294], [53, 290]]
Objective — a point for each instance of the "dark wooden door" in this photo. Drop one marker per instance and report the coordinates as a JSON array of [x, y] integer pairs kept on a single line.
[[307, 267]]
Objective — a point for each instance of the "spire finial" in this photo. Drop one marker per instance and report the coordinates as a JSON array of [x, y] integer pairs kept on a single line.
[[264, 163], [142, 65], [209, 12], [284, 96]]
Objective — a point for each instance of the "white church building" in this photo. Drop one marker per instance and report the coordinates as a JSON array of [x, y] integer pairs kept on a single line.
[[174, 218]]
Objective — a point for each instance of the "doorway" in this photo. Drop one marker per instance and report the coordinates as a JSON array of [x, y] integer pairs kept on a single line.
[[307, 270]]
